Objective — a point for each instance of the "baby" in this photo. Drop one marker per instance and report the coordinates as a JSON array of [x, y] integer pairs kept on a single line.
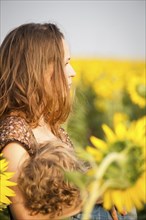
[[42, 180]]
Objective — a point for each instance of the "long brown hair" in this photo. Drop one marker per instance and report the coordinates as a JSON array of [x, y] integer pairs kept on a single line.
[[32, 78]]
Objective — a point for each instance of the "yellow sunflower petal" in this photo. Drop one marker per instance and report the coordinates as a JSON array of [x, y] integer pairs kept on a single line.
[[95, 153], [98, 143], [117, 199], [136, 201], [140, 129], [3, 165], [109, 133], [7, 175], [141, 183], [7, 183], [107, 201], [121, 131], [4, 199], [128, 204], [7, 191]]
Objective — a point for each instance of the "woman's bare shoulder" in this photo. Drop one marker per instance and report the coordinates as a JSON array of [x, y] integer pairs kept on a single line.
[[15, 155]]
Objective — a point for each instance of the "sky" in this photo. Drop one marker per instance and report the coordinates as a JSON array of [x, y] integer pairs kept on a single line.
[[103, 29]]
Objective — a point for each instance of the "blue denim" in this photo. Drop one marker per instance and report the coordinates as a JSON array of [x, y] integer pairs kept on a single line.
[[99, 213]]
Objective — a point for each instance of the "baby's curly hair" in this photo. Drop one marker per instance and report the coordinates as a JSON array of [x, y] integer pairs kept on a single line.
[[42, 181]]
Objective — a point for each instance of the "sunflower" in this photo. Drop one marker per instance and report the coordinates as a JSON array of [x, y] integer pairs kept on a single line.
[[137, 90], [121, 165], [5, 191]]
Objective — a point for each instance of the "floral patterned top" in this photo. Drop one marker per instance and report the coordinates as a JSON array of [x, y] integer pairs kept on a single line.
[[15, 129]]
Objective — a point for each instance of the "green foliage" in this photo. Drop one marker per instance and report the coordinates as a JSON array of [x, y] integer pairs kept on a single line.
[[4, 215]]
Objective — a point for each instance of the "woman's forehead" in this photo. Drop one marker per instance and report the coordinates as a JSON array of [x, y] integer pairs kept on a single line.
[[66, 50]]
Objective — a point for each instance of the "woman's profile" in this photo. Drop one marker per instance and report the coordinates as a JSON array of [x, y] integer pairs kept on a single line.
[[35, 80]]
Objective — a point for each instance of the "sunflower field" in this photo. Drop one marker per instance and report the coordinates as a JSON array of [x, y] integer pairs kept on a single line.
[[108, 117], [103, 88]]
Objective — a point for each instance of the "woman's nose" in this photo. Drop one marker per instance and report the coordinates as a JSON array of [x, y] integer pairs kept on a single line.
[[72, 72]]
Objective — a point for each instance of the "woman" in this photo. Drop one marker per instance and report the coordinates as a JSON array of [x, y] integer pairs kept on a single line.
[[35, 81]]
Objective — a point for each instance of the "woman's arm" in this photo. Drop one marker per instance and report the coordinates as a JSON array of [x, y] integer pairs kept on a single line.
[[16, 155]]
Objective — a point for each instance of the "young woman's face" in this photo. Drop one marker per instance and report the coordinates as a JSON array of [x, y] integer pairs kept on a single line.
[[69, 71]]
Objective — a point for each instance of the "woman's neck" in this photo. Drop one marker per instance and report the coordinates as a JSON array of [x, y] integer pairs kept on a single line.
[[43, 132]]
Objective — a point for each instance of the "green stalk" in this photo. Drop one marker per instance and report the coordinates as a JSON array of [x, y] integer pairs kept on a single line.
[[97, 189], [106, 163], [93, 196]]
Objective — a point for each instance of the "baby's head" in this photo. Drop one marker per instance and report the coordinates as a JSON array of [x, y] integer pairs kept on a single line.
[[42, 181]]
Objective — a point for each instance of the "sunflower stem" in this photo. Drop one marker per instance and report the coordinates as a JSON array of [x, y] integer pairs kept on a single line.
[[97, 189], [95, 193], [106, 162], [93, 196]]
